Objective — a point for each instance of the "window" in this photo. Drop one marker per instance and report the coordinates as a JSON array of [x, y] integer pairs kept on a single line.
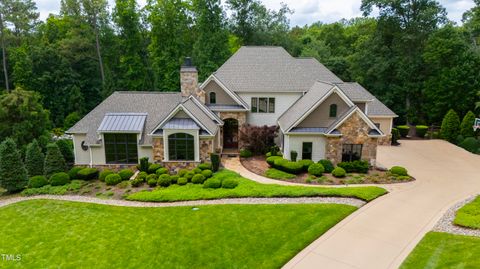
[[307, 150], [213, 98], [121, 148], [333, 111], [263, 105], [351, 152], [181, 147]]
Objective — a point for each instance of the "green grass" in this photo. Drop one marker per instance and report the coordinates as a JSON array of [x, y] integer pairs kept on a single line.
[[469, 215], [277, 174], [249, 188], [443, 250], [73, 186], [60, 234]]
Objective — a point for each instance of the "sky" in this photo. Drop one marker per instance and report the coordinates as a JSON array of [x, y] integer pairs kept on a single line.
[[306, 11]]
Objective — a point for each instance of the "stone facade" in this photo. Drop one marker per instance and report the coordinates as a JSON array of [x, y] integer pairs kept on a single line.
[[206, 147], [189, 83], [175, 166], [114, 166], [385, 141], [354, 131], [158, 151], [240, 116]]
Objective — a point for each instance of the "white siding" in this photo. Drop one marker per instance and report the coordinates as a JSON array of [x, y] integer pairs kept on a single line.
[[295, 143], [282, 102], [82, 157]]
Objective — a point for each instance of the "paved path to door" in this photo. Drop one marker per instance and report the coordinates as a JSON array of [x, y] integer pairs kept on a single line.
[[382, 233]]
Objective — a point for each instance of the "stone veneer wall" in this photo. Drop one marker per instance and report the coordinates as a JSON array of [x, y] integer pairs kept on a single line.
[[385, 141], [158, 151], [241, 117], [355, 131], [189, 83], [206, 147]]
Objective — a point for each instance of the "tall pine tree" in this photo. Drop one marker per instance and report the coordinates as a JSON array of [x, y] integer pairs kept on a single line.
[[13, 175]]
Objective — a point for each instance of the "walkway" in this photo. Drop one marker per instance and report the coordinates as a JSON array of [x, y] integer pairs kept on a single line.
[[382, 233], [229, 201]]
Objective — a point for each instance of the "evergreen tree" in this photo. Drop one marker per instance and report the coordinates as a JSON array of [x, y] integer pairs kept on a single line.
[[450, 126], [66, 148], [466, 127], [13, 175], [54, 161], [34, 159]]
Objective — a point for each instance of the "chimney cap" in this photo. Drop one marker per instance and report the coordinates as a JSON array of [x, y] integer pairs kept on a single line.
[[188, 66], [188, 62]]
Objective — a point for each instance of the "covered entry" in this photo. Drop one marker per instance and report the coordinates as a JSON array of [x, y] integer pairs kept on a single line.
[[230, 134]]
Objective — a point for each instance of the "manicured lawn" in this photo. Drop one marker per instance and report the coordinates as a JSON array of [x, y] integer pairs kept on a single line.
[[443, 250], [469, 215], [277, 174], [249, 188], [59, 234]]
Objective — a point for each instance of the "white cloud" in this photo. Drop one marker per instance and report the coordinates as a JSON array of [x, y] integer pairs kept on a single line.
[[306, 11]]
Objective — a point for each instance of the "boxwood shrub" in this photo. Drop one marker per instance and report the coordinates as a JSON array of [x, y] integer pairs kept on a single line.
[[164, 180], [355, 166], [87, 174], [339, 172], [113, 179], [229, 183], [403, 129], [174, 179], [37, 181], [271, 160], [189, 175], [137, 182], [421, 130], [399, 171], [142, 176], [305, 164], [104, 173], [316, 169], [327, 164], [59, 179], [245, 153], [73, 173], [198, 179], [161, 171], [207, 173], [212, 183], [153, 168], [182, 181], [197, 170], [205, 166], [126, 174], [182, 172], [292, 167]]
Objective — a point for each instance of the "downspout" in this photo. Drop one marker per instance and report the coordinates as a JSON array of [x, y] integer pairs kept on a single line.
[[91, 156]]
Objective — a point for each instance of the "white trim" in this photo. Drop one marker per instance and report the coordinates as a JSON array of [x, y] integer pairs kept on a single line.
[[382, 116], [206, 110], [366, 108], [363, 116], [229, 92], [229, 110], [173, 113], [334, 89]]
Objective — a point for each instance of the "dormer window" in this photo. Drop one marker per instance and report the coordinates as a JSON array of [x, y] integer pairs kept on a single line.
[[213, 98], [333, 110]]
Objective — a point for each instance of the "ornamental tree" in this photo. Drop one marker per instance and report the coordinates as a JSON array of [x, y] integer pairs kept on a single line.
[[466, 127], [450, 126], [13, 175], [34, 159], [54, 161]]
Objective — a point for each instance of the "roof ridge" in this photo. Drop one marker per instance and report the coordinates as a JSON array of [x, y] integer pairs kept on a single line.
[[143, 92]]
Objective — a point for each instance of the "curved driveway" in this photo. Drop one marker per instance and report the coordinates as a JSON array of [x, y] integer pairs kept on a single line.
[[383, 233]]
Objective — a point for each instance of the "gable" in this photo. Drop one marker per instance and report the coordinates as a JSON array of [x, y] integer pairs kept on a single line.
[[181, 115], [320, 117], [222, 97]]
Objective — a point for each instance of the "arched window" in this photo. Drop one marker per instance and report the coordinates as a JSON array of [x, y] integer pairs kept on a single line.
[[181, 147], [213, 98], [333, 111]]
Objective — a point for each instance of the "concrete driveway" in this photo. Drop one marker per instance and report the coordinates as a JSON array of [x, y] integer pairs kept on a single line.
[[383, 233]]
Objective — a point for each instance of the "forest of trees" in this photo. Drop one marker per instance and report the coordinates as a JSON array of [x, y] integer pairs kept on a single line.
[[410, 56]]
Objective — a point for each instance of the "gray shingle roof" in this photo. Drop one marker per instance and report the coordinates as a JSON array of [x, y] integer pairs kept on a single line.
[[355, 91], [225, 107], [271, 69], [200, 115], [156, 104], [181, 124], [377, 108], [124, 122]]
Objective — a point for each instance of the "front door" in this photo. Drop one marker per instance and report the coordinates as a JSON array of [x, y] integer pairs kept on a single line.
[[230, 133]]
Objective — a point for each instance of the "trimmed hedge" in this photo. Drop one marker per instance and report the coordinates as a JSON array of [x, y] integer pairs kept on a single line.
[[271, 160], [126, 174], [403, 129], [212, 183], [164, 180], [182, 172], [339, 172], [198, 179], [399, 171], [327, 164], [421, 130], [355, 166], [161, 171], [153, 168], [197, 170], [113, 179], [305, 164], [316, 169], [292, 167], [37, 181], [73, 173], [87, 173], [207, 173], [104, 173], [59, 179], [205, 166]]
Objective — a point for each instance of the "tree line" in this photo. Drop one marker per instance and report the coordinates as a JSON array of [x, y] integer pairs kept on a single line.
[[54, 71]]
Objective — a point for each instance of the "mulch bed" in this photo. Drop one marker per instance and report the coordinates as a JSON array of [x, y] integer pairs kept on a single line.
[[258, 165]]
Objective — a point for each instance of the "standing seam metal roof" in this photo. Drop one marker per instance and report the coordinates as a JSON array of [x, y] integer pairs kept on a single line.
[[125, 122]]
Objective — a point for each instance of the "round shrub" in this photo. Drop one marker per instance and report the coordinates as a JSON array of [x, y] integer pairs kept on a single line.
[[470, 144], [399, 171], [305, 164], [268, 154], [421, 130], [327, 165], [403, 129], [271, 160], [153, 168], [292, 167], [207, 173], [205, 166], [87, 173], [189, 175], [137, 182], [174, 179], [126, 174], [278, 163], [142, 176], [161, 171], [152, 182], [113, 179], [245, 153], [316, 169], [73, 173], [37, 182], [164, 180], [182, 181], [229, 183], [197, 170], [104, 174], [182, 172], [59, 179], [212, 183], [198, 179], [339, 172]]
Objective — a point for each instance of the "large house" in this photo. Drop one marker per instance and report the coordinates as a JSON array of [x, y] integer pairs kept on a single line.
[[319, 115]]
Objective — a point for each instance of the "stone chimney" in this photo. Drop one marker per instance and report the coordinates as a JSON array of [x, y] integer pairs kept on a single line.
[[189, 81]]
